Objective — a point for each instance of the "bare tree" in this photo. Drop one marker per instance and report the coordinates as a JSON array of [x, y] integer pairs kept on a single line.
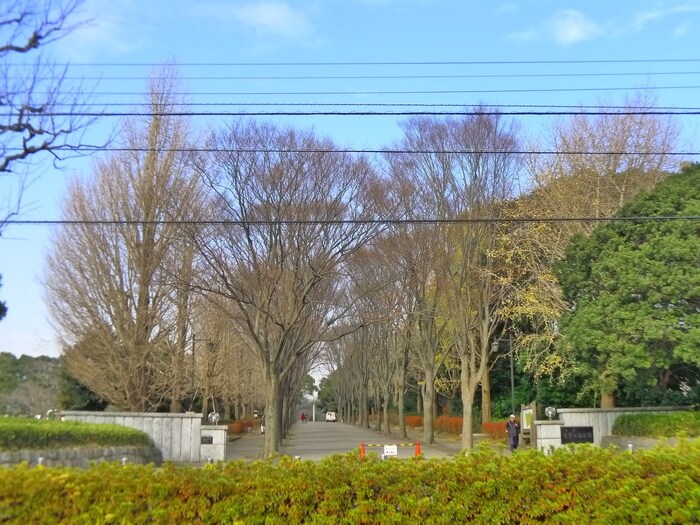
[[419, 178], [110, 273], [461, 170], [42, 110], [279, 242]]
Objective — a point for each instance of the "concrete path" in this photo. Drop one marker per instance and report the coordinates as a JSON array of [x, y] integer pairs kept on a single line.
[[318, 440]]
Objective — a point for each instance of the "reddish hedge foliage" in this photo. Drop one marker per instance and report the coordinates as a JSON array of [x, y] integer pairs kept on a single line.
[[242, 426], [495, 429], [414, 421], [450, 424]]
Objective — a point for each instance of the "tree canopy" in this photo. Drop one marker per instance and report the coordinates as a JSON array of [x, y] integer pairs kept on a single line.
[[634, 289]]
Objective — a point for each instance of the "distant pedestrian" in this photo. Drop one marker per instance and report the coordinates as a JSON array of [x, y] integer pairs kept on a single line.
[[303, 417], [513, 432], [262, 425]]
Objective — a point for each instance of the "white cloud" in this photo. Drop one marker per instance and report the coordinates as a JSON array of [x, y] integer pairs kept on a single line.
[[507, 8], [390, 2], [274, 18], [681, 30], [108, 29], [565, 27], [571, 26], [643, 18]]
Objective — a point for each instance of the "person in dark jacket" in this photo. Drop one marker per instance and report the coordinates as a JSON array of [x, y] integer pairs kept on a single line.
[[513, 431]]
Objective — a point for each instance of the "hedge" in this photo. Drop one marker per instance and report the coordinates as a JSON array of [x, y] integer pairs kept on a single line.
[[26, 433], [658, 425], [576, 484]]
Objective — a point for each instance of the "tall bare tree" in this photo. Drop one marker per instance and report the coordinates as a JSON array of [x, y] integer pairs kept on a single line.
[[42, 110], [484, 176], [109, 275], [285, 205], [462, 169]]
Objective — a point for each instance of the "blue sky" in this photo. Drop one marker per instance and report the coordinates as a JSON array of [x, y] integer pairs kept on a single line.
[[529, 52]]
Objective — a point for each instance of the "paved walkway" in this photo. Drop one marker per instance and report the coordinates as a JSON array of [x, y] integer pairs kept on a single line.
[[318, 440]]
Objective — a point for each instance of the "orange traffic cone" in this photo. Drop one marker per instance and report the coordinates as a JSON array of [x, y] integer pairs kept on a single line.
[[417, 448], [362, 450]]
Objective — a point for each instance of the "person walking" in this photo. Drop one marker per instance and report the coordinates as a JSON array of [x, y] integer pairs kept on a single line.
[[513, 432], [303, 418]]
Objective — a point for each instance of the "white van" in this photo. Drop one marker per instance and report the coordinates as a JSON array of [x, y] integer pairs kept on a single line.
[[330, 416]]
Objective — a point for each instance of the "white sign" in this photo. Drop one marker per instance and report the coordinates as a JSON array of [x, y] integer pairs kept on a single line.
[[390, 450]]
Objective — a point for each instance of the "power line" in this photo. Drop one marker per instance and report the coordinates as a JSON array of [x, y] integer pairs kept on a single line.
[[336, 113], [496, 107], [392, 151], [342, 222], [381, 63], [394, 92], [401, 77]]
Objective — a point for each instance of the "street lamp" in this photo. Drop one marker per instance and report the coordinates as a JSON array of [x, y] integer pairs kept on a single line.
[[512, 373], [494, 349]]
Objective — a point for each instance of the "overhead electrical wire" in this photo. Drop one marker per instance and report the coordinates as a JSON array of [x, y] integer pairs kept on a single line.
[[395, 92], [342, 222], [383, 63], [355, 113], [403, 77], [368, 151], [602, 108]]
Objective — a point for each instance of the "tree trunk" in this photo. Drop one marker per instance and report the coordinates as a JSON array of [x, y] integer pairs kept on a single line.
[[607, 400], [378, 407], [272, 415], [469, 385], [486, 397], [205, 408], [428, 407], [363, 408], [402, 394], [385, 413]]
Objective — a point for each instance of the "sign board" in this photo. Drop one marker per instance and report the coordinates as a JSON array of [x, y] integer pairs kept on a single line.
[[390, 450], [526, 419], [576, 435], [207, 440]]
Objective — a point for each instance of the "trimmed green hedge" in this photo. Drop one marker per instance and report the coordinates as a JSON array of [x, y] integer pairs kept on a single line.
[[576, 485], [658, 425], [18, 433]]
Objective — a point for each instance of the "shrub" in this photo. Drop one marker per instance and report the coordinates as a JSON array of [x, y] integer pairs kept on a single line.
[[576, 484], [495, 429], [414, 421], [237, 427], [18, 433], [658, 425], [449, 424]]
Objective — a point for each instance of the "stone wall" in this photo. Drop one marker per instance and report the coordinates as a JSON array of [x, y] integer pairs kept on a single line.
[[179, 437], [601, 420], [80, 457]]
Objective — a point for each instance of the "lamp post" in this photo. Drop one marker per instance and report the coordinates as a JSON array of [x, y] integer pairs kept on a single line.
[[512, 373], [494, 348]]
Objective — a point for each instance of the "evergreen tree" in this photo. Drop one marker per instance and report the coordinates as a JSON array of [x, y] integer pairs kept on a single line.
[[634, 289]]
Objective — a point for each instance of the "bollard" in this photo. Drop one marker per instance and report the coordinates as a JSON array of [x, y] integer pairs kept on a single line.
[[40, 461], [362, 450], [124, 461], [630, 448], [417, 448], [210, 460]]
